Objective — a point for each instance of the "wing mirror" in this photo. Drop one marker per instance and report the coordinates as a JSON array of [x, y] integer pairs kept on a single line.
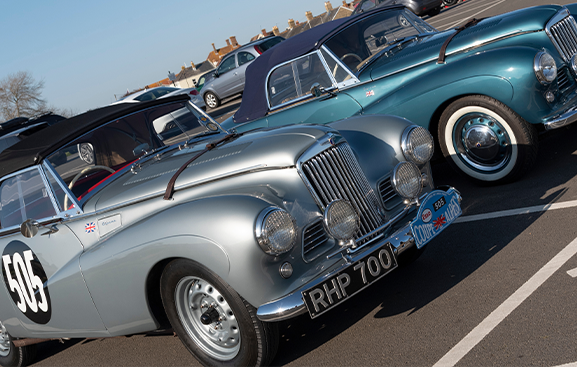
[[142, 148], [29, 228], [317, 90], [215, 74]]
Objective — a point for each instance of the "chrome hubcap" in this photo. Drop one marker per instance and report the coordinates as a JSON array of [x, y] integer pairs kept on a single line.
[[4, 341], [195, 297], [482, 142]]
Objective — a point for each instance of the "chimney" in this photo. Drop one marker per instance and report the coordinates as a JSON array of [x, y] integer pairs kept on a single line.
[[309, 16], [275, 30], [291, 23], [193, 66], [182, 68], [328, 6], [215, 50], [345, 3], [264, 32], [233, 40], [228, 43]]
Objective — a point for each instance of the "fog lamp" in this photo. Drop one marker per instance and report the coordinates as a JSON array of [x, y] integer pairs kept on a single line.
[[406, 180], [341, 220], [286, 270]]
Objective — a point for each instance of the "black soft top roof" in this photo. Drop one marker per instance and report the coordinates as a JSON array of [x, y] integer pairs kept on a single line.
[[254, 105], [32, 150]]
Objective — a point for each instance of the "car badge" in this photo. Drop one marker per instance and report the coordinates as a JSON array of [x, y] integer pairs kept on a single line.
[[211, 126], [370, 93], [332, 140], [89, 227]]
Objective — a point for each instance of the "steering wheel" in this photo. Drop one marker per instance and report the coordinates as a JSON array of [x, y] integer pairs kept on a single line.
[[79, 174], [350, 54]]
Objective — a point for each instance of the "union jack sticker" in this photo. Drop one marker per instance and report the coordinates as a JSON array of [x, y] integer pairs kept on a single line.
[[90, 227]]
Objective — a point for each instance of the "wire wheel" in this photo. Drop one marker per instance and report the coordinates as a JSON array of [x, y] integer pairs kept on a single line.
[[5, 342]]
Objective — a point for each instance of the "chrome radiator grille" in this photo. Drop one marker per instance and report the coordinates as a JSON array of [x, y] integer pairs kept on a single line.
[[564, 36], [336, 174]]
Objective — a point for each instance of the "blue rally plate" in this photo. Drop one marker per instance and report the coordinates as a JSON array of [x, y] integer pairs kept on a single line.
[[437, 211]]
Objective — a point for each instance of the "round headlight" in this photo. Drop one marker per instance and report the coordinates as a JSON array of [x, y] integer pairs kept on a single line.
[[417, 144], [341, 220], [406, 180], [545, 67], [276, 231]]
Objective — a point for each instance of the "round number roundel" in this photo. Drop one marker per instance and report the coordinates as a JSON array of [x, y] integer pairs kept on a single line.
[[25, 280]]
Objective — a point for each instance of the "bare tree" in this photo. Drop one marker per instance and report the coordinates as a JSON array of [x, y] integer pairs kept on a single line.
[[20, 96]]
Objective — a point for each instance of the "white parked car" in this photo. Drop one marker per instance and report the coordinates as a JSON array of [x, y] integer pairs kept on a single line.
[[162, 92]]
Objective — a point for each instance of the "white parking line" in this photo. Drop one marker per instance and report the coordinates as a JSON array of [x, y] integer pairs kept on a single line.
[[572, 273], [511, 212], [477, 13], [491, 322], [574, 364]]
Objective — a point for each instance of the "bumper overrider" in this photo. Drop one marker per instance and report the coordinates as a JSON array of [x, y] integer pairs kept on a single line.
[[362, 266], [565, 117]]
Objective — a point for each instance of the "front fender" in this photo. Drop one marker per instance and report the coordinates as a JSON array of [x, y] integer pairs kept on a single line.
[[505, 74], [209, 231]]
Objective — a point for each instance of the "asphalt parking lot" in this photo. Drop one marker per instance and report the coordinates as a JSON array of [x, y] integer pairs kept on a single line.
[[497, 288]]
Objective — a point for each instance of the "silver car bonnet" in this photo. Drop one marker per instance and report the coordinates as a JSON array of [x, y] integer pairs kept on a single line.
[[258, 150]]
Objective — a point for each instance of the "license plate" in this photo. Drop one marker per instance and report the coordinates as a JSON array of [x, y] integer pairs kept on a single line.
[[349, 281], [437, 211]]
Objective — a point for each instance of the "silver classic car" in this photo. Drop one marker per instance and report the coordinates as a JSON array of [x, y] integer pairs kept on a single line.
[[174, 222]]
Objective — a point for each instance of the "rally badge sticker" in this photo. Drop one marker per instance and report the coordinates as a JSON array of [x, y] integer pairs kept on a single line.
[[26, 281]]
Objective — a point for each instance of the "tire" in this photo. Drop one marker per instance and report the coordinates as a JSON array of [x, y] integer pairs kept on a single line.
[[450, 2], [211, 100], [10, 356], [486, 140], [187, 290]]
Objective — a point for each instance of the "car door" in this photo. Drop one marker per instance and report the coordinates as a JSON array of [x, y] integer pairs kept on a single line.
[[244, 59], [44, 287], [226, 81]]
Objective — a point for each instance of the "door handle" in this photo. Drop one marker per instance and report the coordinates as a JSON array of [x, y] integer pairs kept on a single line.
[[53, 229]]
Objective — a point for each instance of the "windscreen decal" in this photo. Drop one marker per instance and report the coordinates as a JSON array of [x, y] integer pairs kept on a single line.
[[26, 282]]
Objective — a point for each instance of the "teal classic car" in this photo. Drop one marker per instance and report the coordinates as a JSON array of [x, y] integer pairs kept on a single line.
[[484, 90]]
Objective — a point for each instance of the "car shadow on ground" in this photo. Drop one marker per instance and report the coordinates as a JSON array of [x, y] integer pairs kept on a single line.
[[449, 258]]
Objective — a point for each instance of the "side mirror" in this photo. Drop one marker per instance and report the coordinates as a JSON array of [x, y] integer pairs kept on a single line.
[[29, 228], [316, 90], [142, 148], [215, 74]]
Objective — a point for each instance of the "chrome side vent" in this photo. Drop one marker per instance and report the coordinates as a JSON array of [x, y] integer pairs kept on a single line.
[[564, 37], [336, 174], [563, 80], [390, 197], [314, 239]]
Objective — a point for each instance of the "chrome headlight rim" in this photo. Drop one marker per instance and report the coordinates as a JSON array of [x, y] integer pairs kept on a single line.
[[409, 143], [329, 222], [396, 180], [542, 60], [263, 236]]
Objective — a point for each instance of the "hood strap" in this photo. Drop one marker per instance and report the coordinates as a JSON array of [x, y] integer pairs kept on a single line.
[[170, 187], [443, 50]]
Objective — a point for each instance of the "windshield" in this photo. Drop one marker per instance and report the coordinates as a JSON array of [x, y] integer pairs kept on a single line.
[[357, 44]]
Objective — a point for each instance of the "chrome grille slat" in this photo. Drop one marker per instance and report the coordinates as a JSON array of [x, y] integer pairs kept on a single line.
[[564, 35], [335, 174], [390, 197], [314, 236]]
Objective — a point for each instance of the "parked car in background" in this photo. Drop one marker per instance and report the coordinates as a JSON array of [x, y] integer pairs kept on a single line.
[[15, 130], [483, 90], [228, 78], [450, 2], [161, 92], [419, 7], [202, 79], [178, 222]]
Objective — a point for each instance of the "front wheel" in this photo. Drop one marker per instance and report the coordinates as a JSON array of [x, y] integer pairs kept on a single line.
[[11, 356], [486, 140], [213, 322], [211, 100]]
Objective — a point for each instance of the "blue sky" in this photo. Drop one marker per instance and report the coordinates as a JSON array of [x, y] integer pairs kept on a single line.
[[88, 51]]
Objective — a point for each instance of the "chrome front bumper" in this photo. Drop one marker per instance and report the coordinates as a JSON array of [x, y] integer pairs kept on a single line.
[[566, 118], [293, 305]]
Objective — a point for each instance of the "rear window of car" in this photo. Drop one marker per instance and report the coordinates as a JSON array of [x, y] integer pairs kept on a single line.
[[269, 43]]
